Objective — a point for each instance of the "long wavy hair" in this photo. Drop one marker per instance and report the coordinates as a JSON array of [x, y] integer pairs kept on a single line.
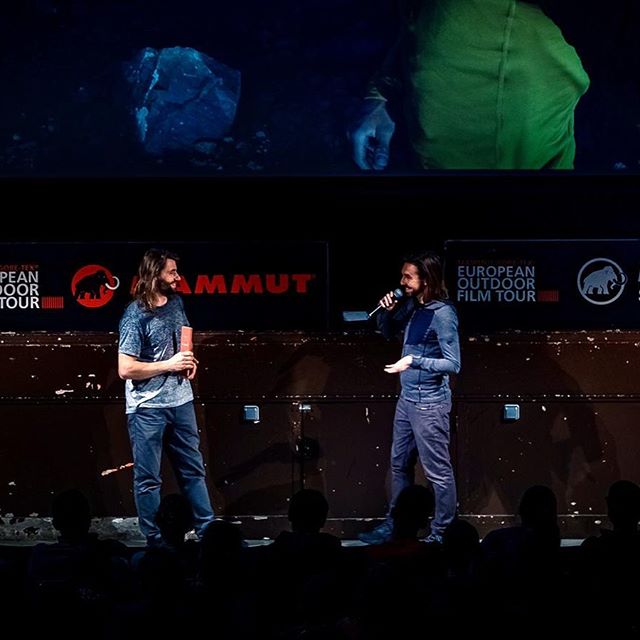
[[151, 265], [429, 266]]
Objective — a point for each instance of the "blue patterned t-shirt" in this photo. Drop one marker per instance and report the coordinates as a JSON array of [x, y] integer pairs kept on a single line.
[[152, 336]]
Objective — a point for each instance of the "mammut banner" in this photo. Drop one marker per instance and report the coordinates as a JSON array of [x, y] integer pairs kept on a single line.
[[225, 285], [545, 284]]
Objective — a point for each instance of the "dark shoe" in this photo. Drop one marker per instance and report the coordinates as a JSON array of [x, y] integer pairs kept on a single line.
[[155, 541], [382, 533], [432, 538]]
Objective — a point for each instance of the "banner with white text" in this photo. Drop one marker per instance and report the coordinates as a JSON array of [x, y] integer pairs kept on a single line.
[[225, 285], [545, 284]]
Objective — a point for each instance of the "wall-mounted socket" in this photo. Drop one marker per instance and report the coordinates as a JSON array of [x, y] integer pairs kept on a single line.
[[251, 413], [511, 412]]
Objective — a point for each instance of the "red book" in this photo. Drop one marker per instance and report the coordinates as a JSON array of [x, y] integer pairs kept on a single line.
[[186, 339]]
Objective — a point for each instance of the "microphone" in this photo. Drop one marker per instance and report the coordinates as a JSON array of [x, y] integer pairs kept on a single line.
[[396, 295]]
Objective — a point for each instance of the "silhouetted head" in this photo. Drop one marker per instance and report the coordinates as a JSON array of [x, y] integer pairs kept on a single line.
[[220, 537], [71, 514], [461, 542], [538, 508], [308, 510], [412, 510], [220, 549], [623, 503], [174, 518]]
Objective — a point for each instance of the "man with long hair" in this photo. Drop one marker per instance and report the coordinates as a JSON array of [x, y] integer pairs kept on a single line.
[[159, 398], [430, 352]]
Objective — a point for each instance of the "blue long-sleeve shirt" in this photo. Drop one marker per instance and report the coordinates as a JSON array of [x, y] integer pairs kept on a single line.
[[431, 338]]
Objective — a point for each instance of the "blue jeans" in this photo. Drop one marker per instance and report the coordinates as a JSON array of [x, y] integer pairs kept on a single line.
[[177, 427], [423, 428]]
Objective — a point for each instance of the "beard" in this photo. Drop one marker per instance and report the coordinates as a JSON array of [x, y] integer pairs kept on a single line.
[[165, 289]]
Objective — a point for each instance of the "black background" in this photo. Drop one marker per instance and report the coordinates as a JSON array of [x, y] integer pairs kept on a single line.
[[369, 223]]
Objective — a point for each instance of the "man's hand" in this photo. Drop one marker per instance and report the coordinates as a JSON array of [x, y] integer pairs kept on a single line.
[[372, 135], [398, 367], [191, 373], [181, 361], [388, 302]]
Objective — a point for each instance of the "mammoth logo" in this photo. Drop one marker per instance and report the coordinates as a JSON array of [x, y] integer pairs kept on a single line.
[[601, 281], [93, 286]]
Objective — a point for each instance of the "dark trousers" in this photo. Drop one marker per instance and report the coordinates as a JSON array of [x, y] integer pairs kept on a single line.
[[177, 427], [424, 429]]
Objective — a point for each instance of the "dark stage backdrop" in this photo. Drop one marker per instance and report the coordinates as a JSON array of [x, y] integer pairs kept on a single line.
[[366, 224], [545, 284], [225, 285]]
